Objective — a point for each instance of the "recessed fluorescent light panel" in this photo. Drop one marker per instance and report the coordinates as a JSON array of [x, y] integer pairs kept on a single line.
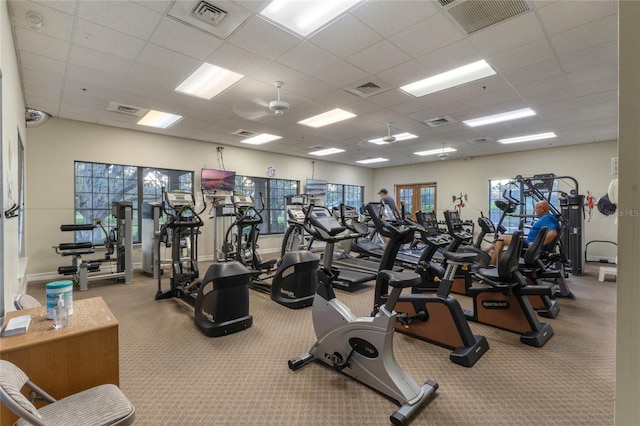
[[528, 138], [435, 151], [305, 17], [159, 119], [327, 151], [499, 118], [327, 118], [399, 137], [208, 81], [261, 138], [372, 160], [452, 78]]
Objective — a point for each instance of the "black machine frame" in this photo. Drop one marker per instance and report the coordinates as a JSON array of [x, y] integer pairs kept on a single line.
[[569, 211]]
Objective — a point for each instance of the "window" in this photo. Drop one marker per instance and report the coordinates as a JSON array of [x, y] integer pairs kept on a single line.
[[499, 189], [350, 195], [97, 185], [519, 193], [273, 192]]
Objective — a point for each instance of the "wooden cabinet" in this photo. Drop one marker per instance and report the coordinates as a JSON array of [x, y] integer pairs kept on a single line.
[[68, 360]]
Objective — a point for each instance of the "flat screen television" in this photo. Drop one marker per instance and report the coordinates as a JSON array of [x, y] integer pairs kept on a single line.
[[316, 187], [219, 180]]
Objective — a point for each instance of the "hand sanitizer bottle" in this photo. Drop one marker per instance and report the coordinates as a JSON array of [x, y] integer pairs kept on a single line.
[[62, 313]]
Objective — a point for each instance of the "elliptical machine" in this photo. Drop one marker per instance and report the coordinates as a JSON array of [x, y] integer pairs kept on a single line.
[[221, 299], [360, 347]]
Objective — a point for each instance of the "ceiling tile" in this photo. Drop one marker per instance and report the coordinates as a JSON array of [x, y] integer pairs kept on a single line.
[[496, 97], [44, 92], [54, 67], [404, 73], [598, 55], [36, 43], [237, 59], [306, 57], [562, 15], [389, 17], [379, 57], [593, 73], [340, 74], [106, 40], [125, 17], [186, 40], [517, 31], [86, 75], [533, 72], [585, 36], [167, 60], [155, 76], [54, 23], [160, 6], [452, 56], [40, 79], [332, 37], [50, 105], [521, 56], [295, 81], [263, 38], [597, 86], [426, 36], [99, 61], [66, 6], [545, 85]]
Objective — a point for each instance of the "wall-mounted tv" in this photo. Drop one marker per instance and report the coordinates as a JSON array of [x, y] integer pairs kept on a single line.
[[316, 187], [219, 180]]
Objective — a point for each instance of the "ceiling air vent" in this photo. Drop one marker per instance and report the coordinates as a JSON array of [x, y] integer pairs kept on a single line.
[[315, 147], [127, 109], [244, 133], [209, 13], [480, 140], [445, 2], [474, 15], [367, 88], [210, 17], [439, 121]]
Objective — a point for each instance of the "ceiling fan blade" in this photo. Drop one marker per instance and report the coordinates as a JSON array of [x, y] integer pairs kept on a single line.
[[251, 108]]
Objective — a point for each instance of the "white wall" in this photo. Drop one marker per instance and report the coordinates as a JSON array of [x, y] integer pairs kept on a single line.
[[57, 144], [12, 123], [589, 164]]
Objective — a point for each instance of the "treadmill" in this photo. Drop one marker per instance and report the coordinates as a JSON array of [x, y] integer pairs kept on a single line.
[[348, 217], [347, 278]]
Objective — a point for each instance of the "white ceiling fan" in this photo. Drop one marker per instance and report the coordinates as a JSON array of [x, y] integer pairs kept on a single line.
[[255, 108], [279, 107], [389, 139]]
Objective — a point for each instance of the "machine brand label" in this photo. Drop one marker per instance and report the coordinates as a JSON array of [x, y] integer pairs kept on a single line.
[[207, 315], [363, 347], [495, 304], [287, 293]]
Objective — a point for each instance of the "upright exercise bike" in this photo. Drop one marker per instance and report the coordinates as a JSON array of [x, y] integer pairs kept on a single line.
[[360, 347]]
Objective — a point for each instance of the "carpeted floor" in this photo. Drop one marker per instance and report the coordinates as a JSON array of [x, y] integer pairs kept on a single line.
[[177, 376]]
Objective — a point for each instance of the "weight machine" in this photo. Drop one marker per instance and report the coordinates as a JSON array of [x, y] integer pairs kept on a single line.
[[569, 211], [118, 241]]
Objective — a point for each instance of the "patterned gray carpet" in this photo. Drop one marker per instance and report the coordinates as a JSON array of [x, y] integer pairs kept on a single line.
[[177, 376]]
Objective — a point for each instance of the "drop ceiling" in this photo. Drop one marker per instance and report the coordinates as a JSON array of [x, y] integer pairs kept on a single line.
[[558, 58]]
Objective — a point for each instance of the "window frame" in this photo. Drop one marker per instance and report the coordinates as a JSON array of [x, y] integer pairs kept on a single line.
[[134, 192], [273, 214]]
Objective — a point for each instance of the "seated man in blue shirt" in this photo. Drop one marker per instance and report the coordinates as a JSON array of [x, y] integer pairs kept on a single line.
[[545, 218]]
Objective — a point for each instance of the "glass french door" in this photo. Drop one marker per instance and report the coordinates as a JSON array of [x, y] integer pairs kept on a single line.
[[416, 197]]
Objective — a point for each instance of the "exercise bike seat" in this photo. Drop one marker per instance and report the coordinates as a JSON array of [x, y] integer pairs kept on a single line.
[[460, 257], [400, 279]]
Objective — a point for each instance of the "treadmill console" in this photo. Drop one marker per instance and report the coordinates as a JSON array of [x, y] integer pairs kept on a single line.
[[431, 233], [454, 224]]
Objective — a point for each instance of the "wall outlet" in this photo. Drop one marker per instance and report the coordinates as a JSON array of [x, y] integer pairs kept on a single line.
[[614, 166]]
